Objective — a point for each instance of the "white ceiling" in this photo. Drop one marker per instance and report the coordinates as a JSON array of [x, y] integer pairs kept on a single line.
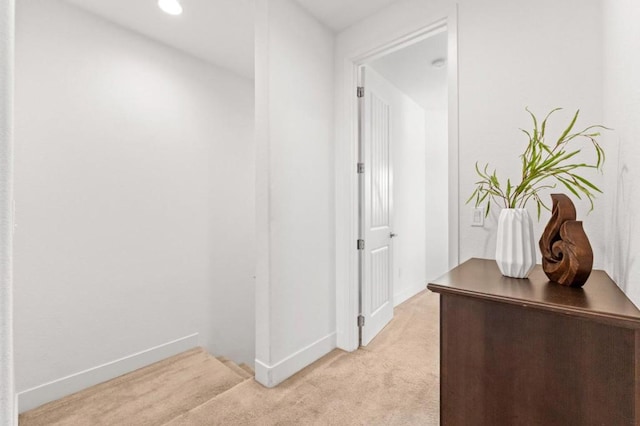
[[341, 14], [218, 31], [410, 70]]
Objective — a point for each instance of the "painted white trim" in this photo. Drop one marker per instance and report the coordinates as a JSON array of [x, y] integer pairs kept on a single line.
[[272, 375], [346, 182], [8, 399], [263, 183], [454, 142], [408, 293], [56, 389]]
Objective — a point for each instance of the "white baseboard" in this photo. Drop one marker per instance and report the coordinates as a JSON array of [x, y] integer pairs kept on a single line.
[[408, 293], [272, 375], [34, 397]]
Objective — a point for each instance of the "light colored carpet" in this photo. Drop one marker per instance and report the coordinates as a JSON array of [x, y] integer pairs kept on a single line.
[[247, 369], [393, 381], [151, 395], [235, 367]]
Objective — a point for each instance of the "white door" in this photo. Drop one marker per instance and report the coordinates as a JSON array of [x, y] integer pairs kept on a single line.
[[376, 200]]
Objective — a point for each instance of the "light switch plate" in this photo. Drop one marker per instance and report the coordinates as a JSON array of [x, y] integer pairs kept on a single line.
[[477, 217]]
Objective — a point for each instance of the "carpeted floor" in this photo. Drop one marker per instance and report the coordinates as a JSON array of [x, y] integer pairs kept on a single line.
[[152, 395], [393, 381]]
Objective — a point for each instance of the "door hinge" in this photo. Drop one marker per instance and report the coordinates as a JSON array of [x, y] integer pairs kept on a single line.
[[360, 92], [360, 244], [360, 321], [360, 168]]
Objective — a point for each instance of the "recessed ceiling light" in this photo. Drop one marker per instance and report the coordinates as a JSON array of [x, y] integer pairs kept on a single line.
[[172, 7]]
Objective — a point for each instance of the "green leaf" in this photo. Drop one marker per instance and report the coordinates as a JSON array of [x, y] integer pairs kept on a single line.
[[569, 187], [544, 122], [472, 195], [568, 129], [535, 123], [589, 184], [599, 153], [557, 159], [546, 148]]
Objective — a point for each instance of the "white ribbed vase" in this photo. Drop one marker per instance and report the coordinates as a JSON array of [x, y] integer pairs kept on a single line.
[[515, 247]]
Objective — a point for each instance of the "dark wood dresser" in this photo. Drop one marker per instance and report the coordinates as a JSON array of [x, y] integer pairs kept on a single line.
[[530, 352]]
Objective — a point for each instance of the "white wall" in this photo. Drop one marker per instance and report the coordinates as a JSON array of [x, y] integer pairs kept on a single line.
[[622, 112], [135, 199], [508, 58], [295, 290], [8, 412], [436, 193]]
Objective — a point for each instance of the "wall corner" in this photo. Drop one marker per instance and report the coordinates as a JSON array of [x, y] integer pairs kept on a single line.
[[8, 397]]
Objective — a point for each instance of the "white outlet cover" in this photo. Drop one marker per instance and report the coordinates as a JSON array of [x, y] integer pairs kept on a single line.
[[477, 217]]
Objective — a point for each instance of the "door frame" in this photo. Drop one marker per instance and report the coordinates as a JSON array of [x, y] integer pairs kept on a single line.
[[346, 156]]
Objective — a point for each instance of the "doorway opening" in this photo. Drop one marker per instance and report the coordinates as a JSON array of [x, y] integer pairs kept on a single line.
[[403, 157], [403, 133]]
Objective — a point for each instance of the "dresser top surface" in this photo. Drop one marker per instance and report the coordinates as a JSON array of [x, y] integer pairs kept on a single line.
[[600, 298]]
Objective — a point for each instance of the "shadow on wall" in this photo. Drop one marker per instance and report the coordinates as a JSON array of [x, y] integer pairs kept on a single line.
[[622, 259]]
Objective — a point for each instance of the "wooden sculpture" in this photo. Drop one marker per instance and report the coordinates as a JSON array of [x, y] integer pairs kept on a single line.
[[567, 257]]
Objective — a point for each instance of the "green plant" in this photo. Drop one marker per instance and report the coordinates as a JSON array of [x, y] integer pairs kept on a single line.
[[541, 163]]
